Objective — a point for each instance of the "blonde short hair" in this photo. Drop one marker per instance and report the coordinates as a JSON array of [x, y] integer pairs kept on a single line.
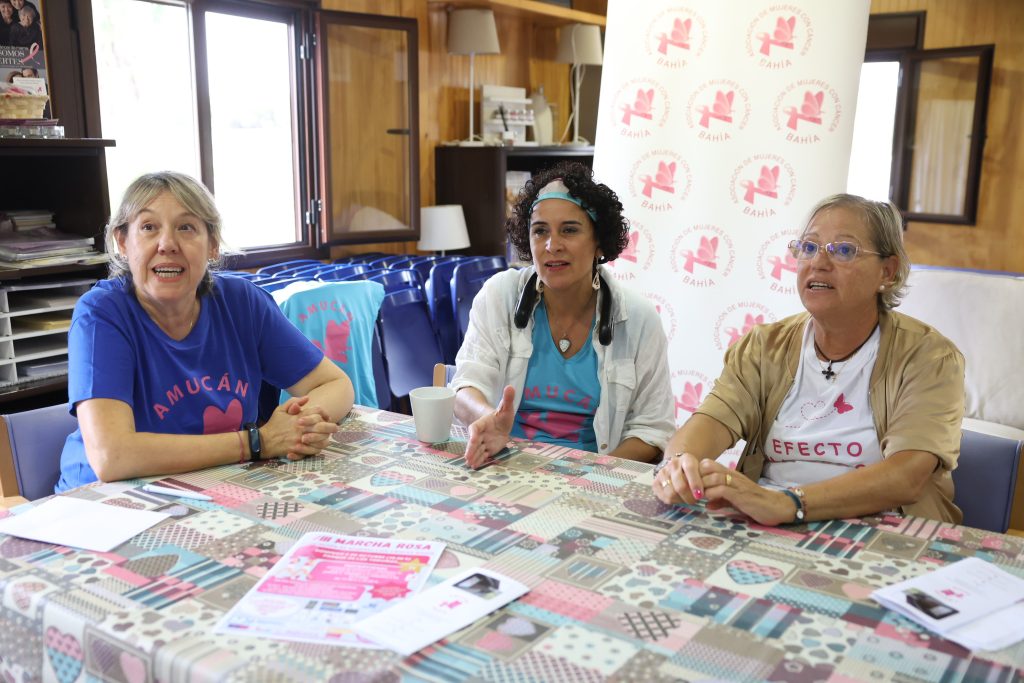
[[885, 223], [188, 191]]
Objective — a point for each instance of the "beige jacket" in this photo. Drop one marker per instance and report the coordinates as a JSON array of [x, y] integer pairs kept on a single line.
[[916, 395]]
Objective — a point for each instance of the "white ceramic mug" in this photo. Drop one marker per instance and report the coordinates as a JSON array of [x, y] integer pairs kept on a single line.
[[433, 409]]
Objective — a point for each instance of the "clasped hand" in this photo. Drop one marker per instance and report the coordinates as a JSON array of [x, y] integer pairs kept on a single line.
[[491, 433], [688, 479], [297, 430]]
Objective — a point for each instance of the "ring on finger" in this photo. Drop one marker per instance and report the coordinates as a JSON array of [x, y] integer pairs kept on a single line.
[[728, 480]]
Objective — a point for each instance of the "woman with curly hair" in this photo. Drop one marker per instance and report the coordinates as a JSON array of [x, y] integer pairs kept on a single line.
[[557, 346]]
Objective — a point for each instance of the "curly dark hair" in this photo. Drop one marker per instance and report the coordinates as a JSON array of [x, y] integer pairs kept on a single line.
[[611, 228]]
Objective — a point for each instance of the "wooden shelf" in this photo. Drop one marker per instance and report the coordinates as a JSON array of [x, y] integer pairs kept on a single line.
[[541, 12]]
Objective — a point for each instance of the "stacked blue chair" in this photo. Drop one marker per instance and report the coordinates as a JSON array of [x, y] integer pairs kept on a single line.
[[394, 280], [361, 258], [411, 346], [364, 274], [340, 271], [285, 265], [273, 284], [467, 279], [439, 296]]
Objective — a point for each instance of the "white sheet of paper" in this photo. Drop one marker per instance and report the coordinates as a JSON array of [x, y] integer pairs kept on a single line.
[[80, 523], [441, 610], [971, 602]]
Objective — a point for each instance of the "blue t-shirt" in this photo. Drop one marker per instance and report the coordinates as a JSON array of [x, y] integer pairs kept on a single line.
[[207, 383], [560, 395]]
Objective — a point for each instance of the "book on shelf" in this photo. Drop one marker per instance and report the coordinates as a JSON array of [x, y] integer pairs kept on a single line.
[[25, 220], [23, 73]]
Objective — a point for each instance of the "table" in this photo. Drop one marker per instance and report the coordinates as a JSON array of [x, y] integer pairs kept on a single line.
[[622, 586]]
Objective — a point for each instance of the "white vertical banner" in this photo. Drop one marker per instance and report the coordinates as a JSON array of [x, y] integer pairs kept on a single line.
[[721, 124]]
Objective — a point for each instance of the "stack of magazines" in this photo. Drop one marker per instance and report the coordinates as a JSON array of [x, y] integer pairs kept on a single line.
[[43, 243]]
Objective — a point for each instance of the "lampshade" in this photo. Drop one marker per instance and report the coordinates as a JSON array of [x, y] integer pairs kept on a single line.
[[472, 32], [442, 228], [580, 44]]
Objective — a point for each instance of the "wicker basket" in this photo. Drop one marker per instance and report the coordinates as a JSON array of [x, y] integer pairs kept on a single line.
[[22, 106]]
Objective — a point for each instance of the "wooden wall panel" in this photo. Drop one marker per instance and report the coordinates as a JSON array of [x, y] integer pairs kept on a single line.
[[996, 242]]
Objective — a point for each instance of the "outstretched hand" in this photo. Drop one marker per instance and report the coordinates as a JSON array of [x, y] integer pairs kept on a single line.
[[491, 433], [297, 429]]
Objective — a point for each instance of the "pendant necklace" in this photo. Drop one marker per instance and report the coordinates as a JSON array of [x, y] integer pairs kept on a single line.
[[827, 372], [564, 342]]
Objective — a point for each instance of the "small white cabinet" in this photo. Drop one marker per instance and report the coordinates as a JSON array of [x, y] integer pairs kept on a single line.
[[34, 321]]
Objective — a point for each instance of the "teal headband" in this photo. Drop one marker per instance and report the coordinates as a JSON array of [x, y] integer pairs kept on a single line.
[[556, 189]]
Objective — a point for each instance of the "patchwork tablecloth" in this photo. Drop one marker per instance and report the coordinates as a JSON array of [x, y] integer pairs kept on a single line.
[[622, 586]]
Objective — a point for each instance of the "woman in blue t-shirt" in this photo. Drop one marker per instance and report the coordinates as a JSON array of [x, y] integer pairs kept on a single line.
[[166, 358], [559, 352]]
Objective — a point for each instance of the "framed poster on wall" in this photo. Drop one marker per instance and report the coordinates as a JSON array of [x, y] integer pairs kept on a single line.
[[22, 59]]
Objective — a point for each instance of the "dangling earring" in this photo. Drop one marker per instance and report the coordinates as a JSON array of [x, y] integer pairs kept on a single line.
[[539, 286], [596, 283]]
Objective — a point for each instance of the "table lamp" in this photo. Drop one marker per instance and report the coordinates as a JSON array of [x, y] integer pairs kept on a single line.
[[579, 45], [442, 228], [472, 32]]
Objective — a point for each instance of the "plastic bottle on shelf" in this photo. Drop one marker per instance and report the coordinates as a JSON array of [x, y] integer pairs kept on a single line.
[[542, 120]]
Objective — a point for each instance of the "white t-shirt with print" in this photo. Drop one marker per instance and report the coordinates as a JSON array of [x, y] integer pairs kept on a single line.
[[824, 427]]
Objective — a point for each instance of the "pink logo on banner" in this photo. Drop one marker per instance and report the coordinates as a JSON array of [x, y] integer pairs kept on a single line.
[[703, 255], [689, 388], [658, 177], [717, 108], [666, 311], [637, 255], [776, 265], [640, 106], [803, 113], [778, 35], [675, 36], [762, 184], [738, 319], [781, 37]]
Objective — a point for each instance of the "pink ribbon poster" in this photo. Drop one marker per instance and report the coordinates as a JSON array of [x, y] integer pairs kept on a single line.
[[327, 582]]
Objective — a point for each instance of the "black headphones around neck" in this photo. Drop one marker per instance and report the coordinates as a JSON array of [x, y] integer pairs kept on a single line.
[[528, 301]]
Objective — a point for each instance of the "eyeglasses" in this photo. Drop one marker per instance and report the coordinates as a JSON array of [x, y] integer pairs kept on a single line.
[[844, 252]]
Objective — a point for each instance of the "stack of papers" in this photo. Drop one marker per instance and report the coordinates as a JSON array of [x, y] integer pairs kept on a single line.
[[971, 602], [42, 243]]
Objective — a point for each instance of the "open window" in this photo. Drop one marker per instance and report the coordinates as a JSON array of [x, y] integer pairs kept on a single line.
[[303, 123], [919, 132]]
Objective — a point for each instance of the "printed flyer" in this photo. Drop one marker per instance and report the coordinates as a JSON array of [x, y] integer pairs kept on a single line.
[[327, 582]]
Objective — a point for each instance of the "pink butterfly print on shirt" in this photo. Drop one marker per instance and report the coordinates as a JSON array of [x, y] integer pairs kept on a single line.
[[841, 405]]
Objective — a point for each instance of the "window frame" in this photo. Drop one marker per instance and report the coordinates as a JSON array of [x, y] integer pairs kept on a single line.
[[899, 37]]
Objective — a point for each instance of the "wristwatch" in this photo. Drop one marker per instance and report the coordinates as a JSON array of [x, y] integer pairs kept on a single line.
[[255, 442]]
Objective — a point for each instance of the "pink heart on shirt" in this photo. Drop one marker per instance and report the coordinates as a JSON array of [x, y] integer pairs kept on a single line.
[[217, 421]]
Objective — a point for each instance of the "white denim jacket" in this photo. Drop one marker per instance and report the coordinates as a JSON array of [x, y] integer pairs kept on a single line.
[[636, 394]]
